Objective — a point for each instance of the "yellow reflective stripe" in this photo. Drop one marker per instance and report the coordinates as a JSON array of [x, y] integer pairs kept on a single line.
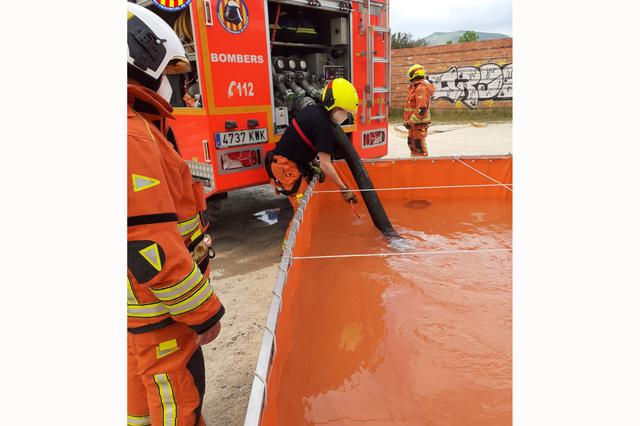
[[131, 297], [148, 310], [415, 119], [138, 420], [193, 301], [181, 288], [166, 348], [167, 399], [187, 226], [196, 234]]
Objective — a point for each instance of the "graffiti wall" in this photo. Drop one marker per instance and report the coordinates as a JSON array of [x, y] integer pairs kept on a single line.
[[466, 75], [473, 84]]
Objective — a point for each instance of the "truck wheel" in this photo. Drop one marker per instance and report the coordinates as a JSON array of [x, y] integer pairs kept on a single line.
[[212, 213]]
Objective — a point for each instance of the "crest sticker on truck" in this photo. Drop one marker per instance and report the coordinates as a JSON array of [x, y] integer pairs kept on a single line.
[[233, 15], [171, 5]]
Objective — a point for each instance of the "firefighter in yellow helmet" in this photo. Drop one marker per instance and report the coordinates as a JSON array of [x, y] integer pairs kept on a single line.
[[417, 115], [310, 135], [171, 307]]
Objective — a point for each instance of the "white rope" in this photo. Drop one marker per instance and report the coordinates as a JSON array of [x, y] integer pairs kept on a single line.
[[414, 253], [488, 177], [414, 188]]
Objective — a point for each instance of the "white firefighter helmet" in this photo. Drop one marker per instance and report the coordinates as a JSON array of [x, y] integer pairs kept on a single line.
[[154, 48]]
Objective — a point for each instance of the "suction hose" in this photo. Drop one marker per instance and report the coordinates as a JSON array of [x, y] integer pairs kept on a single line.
[[371, 200]]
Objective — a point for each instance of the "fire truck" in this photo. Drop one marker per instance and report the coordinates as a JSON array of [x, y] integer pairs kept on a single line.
[[256, 63]]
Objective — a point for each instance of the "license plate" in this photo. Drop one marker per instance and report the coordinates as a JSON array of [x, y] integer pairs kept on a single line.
[[241, 137]]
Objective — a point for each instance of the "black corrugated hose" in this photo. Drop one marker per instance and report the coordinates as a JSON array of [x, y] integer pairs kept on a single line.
[[374, 206]]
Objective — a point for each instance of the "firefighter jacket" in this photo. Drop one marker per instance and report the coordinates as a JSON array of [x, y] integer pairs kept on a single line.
[[416, 107], [167, 279]]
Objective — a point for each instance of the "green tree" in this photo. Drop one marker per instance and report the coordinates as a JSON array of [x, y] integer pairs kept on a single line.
[[468, 36], [404, 40], [449, 41]]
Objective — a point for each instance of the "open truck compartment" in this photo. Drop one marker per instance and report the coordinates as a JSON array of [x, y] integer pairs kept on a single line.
[[361, 331], [309, 47]]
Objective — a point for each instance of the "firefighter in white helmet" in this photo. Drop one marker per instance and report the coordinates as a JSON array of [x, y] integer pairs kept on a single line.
[[171, 307]]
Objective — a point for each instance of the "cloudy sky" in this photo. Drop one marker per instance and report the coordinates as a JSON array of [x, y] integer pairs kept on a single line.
[[423, 17]]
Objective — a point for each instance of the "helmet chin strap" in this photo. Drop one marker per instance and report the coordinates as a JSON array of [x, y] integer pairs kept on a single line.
[[165, 89]]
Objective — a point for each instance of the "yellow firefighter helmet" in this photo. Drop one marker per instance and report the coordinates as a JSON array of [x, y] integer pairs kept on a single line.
[[340, 93], [416, 71]]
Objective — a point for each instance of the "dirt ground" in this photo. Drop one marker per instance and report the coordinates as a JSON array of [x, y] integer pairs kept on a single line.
[[248, 252], [243, 274]]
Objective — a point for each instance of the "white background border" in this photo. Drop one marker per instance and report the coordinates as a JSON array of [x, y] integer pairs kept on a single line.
[[576, 310]]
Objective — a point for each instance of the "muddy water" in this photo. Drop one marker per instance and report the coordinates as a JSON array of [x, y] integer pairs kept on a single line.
[[417, 339]]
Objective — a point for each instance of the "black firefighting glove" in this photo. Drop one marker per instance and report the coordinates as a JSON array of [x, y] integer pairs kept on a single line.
[[317, 170], [349, 195]]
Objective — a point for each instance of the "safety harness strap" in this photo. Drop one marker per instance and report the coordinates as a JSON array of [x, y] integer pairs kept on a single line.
[[303, 136]]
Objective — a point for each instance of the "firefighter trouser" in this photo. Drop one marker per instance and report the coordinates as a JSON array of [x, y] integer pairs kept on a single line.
[[165, 377], [287, 173], [417, 140]]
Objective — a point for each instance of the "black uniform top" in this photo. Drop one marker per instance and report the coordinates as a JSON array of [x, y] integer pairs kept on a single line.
[[317, 126]]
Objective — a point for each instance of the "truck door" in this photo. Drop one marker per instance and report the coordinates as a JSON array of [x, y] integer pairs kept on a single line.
[[239, 89]]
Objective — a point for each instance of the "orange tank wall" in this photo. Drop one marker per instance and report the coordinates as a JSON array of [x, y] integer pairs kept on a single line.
[[413, 339]]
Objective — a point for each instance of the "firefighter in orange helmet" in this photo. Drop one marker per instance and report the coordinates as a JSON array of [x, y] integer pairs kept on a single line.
[[171, 307], [417, 114]]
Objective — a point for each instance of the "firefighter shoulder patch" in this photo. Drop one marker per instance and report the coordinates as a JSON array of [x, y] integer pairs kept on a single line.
[[144, 259], [140, 183]]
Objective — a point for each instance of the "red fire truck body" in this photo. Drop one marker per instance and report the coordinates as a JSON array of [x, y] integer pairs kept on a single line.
[[256, 63]]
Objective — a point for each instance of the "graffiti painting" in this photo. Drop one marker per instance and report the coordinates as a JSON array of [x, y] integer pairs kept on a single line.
[[471, 85]]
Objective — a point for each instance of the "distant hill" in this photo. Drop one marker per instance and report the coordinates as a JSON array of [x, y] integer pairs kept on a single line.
[[436, 39]]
